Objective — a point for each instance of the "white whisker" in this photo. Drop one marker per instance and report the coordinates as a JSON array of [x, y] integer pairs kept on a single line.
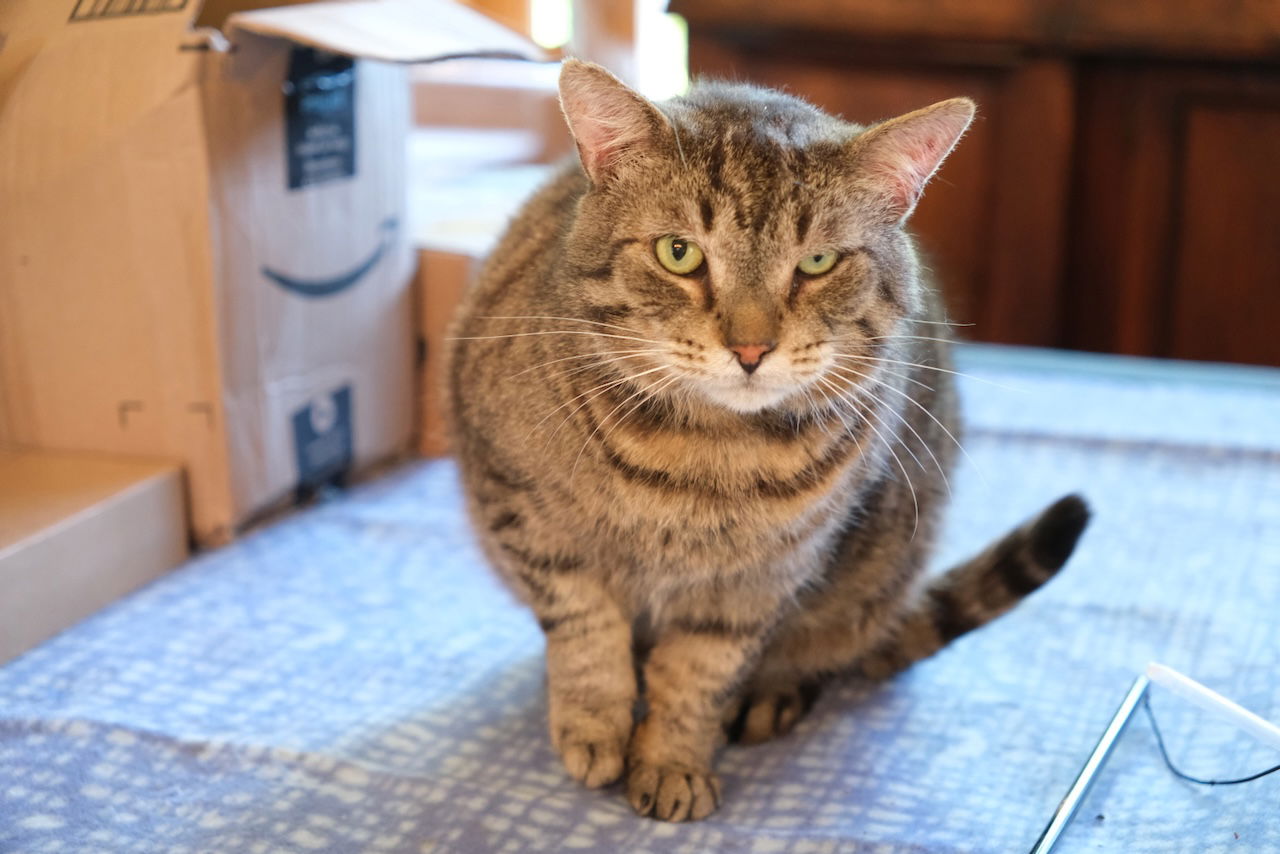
[[938, 322], [918, 405], [905, 422], [814, 409], [594, 391], [888, 446], [603, 421], [886, 407], [557, 317], [592, 355], [555, 332], [932, 368], [600, 364], [675, 131], [649, 393], [910, 338], [598, 389], [900, 376], [837, 400]]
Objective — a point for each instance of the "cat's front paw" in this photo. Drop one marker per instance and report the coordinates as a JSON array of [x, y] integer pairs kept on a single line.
[[594, 763], [593, 747], [672, 792]]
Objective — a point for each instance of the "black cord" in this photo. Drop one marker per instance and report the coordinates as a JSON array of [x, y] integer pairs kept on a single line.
[[1146, 705]]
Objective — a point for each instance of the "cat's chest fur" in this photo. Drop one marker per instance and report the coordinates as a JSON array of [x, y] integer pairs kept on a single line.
[[703, 501]]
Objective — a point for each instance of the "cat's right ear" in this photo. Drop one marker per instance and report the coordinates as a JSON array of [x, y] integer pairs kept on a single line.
[[610, 122], [899, 156]]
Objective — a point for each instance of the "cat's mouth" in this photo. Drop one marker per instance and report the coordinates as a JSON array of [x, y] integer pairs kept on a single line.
[[748, 393]]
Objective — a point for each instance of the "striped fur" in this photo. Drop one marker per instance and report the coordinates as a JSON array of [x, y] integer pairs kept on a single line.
[[698, 542], [981, 589]]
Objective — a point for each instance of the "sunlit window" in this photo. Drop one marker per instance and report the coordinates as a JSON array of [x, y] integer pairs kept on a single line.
[[660, 42]]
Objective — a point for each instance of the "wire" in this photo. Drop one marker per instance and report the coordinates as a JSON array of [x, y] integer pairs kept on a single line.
[[1146, 705]]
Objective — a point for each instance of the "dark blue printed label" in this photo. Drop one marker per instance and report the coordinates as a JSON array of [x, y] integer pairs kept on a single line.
[[320, 117], [89, 10], [322, 437]]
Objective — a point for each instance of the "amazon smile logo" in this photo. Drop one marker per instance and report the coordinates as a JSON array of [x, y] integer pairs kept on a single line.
[[318, 288]]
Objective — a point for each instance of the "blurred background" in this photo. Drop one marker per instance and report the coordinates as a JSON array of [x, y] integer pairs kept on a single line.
[[1119, 192]]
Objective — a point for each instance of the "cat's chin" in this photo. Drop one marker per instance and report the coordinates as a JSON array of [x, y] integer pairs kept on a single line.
[[746, 398]]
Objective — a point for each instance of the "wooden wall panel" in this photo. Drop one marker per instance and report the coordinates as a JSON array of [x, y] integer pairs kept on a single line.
[[1023, 302], [1230, 29], [1175, 231], [1121, 217], [1226, 289]]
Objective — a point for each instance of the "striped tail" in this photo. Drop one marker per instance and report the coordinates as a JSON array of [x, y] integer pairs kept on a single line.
[[977, 591]]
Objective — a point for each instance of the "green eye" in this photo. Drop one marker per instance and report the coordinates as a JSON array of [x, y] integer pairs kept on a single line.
[[678, 254], [816, 265]]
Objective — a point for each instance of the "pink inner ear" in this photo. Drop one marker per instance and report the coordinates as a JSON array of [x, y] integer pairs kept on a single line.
[[607, 120], [919, 160], [905, 157], [603, 138]]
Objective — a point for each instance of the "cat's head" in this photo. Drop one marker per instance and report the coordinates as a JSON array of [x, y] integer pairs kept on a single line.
[[746, 240]]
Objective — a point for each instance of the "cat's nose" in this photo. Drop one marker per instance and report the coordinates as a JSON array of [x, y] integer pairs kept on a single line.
[[749, 355]]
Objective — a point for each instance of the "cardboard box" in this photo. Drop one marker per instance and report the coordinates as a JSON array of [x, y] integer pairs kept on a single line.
[[202, 240], [443, 277], [76, 532], [454, 227]]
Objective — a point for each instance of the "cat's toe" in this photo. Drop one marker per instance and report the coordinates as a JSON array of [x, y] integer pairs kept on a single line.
[[592, 743], [673, 792], [772, 714], [593, 763]]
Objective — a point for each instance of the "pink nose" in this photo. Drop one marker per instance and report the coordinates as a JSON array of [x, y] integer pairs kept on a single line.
[[749, 355]]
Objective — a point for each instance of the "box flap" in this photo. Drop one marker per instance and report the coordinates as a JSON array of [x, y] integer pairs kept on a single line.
[[389, 30], [76, 532], [42, 490]]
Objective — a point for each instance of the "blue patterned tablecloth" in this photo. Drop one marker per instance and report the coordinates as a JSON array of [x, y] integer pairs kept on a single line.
[[352, 678]]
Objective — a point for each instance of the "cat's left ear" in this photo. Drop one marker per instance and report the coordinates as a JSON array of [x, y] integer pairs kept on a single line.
[[899, 156], [609, 121]]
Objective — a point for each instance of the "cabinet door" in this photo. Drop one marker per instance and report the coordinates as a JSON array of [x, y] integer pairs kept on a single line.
[[1176, 232], [991, 223]]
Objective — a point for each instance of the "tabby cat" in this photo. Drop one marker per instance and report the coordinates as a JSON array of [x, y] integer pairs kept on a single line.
[[702, 406]]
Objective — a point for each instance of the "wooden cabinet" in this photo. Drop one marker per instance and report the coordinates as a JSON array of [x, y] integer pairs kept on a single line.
[[1176, 227], [1120, 190]]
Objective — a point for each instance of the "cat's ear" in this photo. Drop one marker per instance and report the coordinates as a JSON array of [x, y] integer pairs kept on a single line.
[[609, 121], [899, 156]]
